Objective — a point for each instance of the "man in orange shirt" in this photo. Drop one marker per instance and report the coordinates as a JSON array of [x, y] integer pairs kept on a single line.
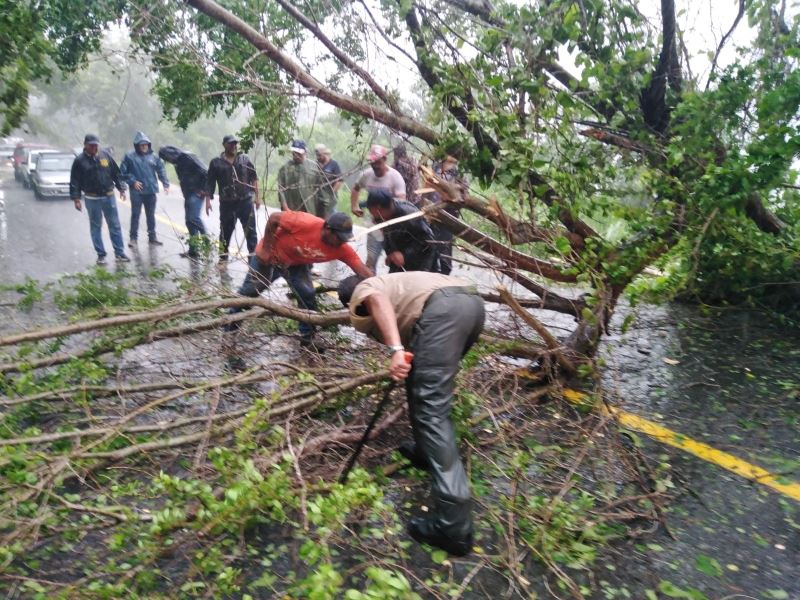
[[292, 242]]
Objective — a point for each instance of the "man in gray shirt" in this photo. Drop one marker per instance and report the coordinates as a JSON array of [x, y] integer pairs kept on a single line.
[[380, 176]]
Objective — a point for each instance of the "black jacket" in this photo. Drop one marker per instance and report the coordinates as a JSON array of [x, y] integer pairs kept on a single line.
[[413, 238], [192, 173], [96, 175], [235, 181]]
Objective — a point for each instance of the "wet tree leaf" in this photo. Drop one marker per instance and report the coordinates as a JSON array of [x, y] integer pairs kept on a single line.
[[708, 565]]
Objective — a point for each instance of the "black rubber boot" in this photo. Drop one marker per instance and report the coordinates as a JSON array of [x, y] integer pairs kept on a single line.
[[449, 528], [426, 530], [409, 451]]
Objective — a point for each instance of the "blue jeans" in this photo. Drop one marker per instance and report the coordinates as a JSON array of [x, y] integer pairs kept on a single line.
[[97, 208], [193, 206], [261, 275], [149, 202]]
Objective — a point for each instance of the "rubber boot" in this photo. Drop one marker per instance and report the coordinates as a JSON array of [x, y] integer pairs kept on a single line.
[[448, 528]]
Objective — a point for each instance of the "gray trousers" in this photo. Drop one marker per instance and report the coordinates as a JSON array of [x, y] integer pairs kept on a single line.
[[449, 325]]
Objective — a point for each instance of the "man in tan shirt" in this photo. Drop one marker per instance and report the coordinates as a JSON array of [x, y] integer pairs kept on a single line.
[[438, 318]]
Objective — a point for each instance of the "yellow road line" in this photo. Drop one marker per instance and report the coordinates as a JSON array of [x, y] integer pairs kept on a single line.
[[703, 451]]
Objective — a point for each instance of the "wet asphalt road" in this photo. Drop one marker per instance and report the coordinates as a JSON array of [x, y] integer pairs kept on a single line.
[[735, 386], [728, 379], [45, 239]]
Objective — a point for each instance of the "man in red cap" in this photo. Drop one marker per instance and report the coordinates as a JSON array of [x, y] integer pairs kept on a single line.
[[292, 242], [380, 176]]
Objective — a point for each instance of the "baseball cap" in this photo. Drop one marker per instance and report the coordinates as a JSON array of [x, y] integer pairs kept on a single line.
[[341, 225], [91, 138], [298, 146], [230, 139], [376, 152]]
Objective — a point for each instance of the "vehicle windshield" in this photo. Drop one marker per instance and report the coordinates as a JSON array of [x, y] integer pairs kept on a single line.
[[56, 163]]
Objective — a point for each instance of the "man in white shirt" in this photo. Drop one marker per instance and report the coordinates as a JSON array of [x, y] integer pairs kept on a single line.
[[380, 176]]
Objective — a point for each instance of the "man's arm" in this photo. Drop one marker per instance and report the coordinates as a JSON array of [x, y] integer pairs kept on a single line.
[[161, 171], [382, 312], [337, 183], [75, 184], [125, 171], [282, 188], [116, 177], [256, 195], [252, 179], [211, 180], [352, 260], [354, 201]]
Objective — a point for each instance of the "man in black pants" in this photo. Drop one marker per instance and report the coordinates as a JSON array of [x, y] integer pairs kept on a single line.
[[236, 178], [193, 176], [409, 245], [448, 171], [438, 318]]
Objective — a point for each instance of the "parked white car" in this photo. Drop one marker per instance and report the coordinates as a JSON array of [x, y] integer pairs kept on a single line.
[[29, 164], [50, 179]]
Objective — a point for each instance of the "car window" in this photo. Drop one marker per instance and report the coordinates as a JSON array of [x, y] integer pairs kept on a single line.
[[55, 163]]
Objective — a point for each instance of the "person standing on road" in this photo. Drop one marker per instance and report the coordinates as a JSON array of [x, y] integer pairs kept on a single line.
[[409, 171], [142, 169], [301, 183], [448, 171], [437, 318], [380, 176], [332, 173], [235, 176], [409, 245], [95, 175], [192, 176], [292, 242]]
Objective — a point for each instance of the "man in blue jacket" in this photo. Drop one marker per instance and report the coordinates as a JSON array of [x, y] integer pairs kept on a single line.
[[192, 174], [140, 169]]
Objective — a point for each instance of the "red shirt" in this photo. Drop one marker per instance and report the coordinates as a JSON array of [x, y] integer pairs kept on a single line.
[[298, 241]]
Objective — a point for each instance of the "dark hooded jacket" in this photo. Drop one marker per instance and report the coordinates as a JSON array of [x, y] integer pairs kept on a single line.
[[414, 238], [143, 168], [191, 171]]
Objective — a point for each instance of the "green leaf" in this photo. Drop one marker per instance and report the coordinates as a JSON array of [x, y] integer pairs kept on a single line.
[[708, 565], [562, 245]]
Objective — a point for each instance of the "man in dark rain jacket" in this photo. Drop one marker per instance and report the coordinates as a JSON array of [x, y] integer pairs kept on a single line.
[[409, 244], [235, 176], [142, 169], [192, 176], [94, 176]]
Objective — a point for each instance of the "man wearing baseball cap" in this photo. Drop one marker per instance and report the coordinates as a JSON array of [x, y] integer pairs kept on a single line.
[[380, 176], [235, 176], [301, 183], [292, 242], [332, 173], [94, 176]]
